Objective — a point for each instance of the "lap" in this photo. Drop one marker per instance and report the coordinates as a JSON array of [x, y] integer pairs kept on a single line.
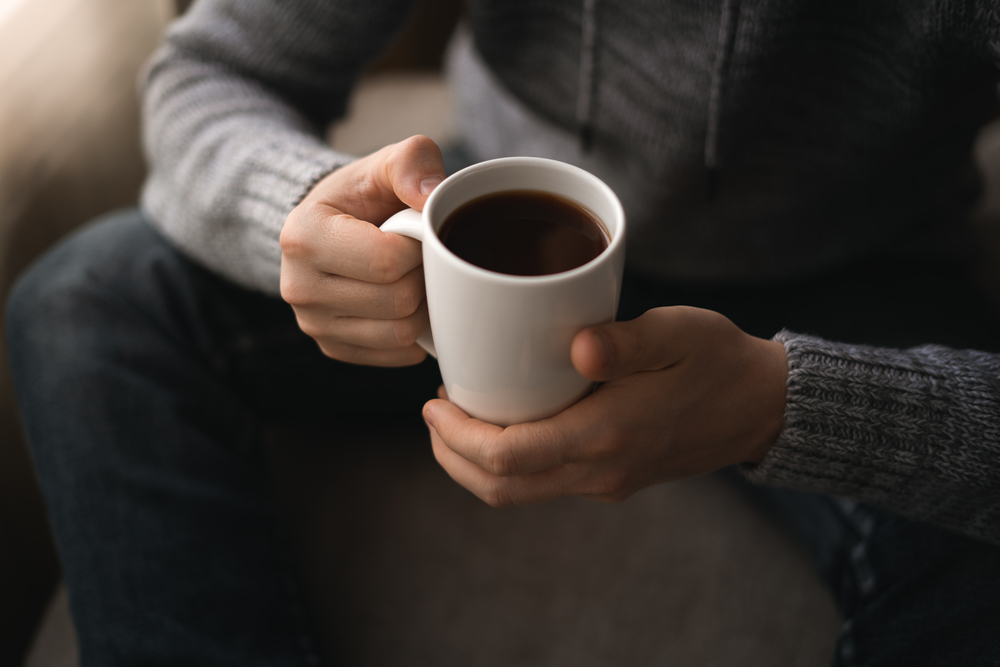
[[116, 308]]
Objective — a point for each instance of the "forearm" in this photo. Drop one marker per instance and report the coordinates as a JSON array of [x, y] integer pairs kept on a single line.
[[235, 103], [914, 431]]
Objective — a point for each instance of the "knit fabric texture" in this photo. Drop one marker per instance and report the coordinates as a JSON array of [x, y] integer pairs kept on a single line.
[[235, 104], [747, 141], [915, 431]]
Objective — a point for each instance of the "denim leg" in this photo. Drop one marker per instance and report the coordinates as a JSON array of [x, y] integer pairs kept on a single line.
[[910, 594], [142, 381]]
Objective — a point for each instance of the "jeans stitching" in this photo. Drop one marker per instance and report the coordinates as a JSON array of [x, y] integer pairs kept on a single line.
[[858, 573]]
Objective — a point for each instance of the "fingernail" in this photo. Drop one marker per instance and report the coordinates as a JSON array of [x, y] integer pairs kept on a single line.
[[428, 184], [429, 418], [603, 347]]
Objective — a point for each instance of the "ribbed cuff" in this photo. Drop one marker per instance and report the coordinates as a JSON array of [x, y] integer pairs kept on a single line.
[[279, 177], [283, 172], [852, 420], [913, 431], [242, 241]]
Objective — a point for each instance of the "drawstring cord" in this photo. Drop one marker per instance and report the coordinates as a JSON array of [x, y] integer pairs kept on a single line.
[[720, 69], [584, 100], [727, 36]]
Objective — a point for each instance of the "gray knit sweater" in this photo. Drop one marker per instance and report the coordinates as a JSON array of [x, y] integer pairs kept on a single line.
[[775, 137]]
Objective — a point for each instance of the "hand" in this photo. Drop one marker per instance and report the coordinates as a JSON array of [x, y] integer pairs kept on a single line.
[[685, 392], [357, 291]]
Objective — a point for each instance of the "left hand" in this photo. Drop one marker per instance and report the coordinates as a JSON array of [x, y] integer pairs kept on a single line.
[[685, 392]]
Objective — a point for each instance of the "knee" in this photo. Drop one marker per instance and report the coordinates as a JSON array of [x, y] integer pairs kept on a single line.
[[55, 305], [42, 311]]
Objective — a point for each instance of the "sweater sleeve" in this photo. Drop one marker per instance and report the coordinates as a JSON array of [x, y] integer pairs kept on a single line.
[[914, 431], [982, 21], [235, 103]]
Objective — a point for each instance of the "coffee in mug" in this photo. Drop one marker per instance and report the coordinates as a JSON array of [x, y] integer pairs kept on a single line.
[[524, 233], [519, 255]]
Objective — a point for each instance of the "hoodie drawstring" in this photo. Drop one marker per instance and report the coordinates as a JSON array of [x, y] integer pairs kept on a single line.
[[724, 51], [584, 100], [720, 69]]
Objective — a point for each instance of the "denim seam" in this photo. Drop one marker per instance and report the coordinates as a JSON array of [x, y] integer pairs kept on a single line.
[[862, 574]]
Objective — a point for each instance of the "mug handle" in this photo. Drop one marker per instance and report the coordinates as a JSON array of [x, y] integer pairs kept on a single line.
[[410, 223]]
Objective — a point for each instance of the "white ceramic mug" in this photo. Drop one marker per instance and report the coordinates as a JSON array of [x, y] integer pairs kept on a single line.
[[503, 341]]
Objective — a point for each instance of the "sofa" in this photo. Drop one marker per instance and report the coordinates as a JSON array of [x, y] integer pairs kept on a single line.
[[402, 566]]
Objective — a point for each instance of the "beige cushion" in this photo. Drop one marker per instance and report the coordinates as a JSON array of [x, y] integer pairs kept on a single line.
[[407, 568], [70, 145], [55, 643]]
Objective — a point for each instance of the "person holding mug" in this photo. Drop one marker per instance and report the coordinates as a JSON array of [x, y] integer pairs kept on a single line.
[[795, 302]]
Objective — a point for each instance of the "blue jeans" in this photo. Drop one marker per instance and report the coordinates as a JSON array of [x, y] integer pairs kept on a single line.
[[145, 380]]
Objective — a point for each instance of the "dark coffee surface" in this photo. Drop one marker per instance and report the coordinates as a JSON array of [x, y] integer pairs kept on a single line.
[[524, 233]]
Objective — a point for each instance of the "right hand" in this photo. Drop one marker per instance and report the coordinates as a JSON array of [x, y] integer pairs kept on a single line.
[[358, 291]]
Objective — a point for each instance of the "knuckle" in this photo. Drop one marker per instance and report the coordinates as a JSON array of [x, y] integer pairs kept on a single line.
[[405, 331], [310, 327], [406, 297], [360, 190], [608, 445], [417, 151], [497, 496], [380, 269], [296, 238], [291, 237], [384, 267], [365, 190], [293, 291], [329, 350], [415, 146], [715, 317], [633, 345], [289, 291], [498, 459]]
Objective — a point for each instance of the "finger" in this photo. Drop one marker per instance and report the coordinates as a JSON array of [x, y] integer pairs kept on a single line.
[[375, 187], [415, 168], [502, 491], [366, 356], [338, 296], [655, 340], [366, 332], [326, 240], [442, 394], [518, 449]]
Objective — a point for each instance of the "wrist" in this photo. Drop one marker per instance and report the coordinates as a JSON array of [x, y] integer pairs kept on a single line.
[[772, 385]]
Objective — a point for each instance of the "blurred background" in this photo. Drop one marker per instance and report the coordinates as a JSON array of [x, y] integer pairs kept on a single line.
[[69, 150]]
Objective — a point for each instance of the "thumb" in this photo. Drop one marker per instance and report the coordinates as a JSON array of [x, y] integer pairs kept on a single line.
[[413, 168], [612, 351]]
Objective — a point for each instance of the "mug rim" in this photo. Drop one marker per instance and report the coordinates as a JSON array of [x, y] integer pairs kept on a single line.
[[431, 237]]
